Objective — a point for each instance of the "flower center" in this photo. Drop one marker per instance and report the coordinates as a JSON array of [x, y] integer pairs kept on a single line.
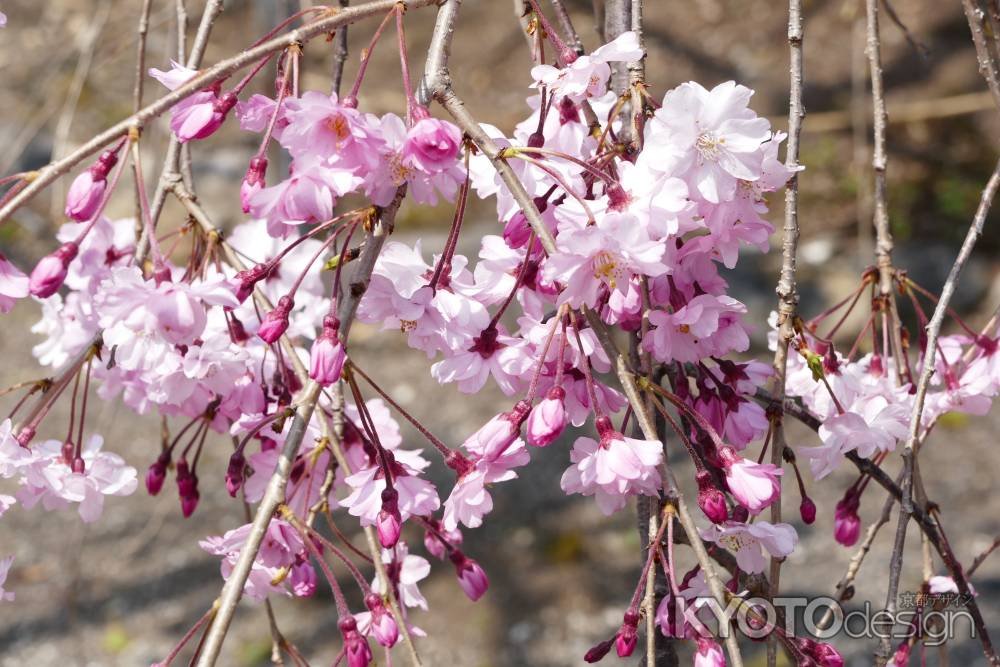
[[339, 126], [397, 170], [737, 541], [606, 268], [709, 146]]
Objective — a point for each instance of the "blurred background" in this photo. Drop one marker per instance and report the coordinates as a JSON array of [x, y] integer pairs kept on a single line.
[[123, 590]]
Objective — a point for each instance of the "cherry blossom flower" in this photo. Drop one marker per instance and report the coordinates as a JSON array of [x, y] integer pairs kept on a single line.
[[587, 75], [48, 478], [716, 137], [614, 468], [13, 284], [747, 541]]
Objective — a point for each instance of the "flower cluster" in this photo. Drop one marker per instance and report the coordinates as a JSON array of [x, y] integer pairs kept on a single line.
[[627, 222]]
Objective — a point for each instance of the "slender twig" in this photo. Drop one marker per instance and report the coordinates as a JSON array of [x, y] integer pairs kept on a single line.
[[933, 331], [566, 23], [981, 558], [883, 234], [137, 91], [787, 293], [340, 53], [854, 565], [977, 14]]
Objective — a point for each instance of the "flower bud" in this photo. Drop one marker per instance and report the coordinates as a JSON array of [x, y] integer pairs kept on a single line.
[[84, 196], [234, 472], [496, 435], [326, 359], [827, 656], [389, 522], [709, 654], [189, 503], [807, 509], [276, 322], [302, 579], [253, 181], [710, 499], [383, 625], [516, 231], [625, 641], [248, 278], [846, 523], [547, 419], [50, 272], [87, 190], [358, 653], [155, 476], [597, 653], [202, 117], [471, 576]]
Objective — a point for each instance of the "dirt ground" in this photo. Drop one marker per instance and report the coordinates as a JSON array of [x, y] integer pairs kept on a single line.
[[123, 590]]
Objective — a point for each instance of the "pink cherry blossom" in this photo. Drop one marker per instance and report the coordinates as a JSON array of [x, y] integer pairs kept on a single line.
[[587, 75], [747, 541], [13, 284], [175, 77], [754, 485], [614, 468], [717, 136]]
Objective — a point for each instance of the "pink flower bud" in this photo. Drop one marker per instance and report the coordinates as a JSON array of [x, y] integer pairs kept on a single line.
[[253, 181], [248, 278], [807, 509], [50, 272], [84, 196], [189, 503], [433, 543], [383, 625], [709, 654], [234, 472], [302, 579], [597, 653], [87, 189], [276, 322], [326, 359], [625, 641], [547, 419], [389, 522], [516, 231], [710, 499], [355, 647], [494, 437], [846, 524], [827, 656], [155, 476], [471, 576], [201, 115]]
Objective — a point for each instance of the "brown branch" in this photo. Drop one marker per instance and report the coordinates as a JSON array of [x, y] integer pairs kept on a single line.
[[786, 290]]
